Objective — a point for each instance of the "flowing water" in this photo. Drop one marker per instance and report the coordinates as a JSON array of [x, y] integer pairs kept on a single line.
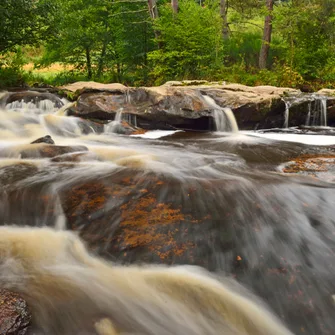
[[286, 113], [215, 200], [223, 117]]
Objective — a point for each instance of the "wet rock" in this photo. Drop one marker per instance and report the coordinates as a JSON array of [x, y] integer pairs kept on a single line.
[[76, 157], [46, 139], [39, 150], [48, 150], [122, 128], [70, 126], [32, 96], [184, 107], [15, 172], [14, 314], [321, 166]]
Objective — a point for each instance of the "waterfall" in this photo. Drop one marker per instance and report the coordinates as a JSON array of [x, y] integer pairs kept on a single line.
[[223, 117], [287, 113], [118, 115], [323, 111], [40, 107], [114, 126], [317, 112], [308, 118]]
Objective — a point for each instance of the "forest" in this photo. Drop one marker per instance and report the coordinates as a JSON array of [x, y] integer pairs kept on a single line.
[[148, 42]]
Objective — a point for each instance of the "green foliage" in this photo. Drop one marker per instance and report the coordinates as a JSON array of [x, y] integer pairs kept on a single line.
[[100, 36], [307, 28], [114, 41], [24, 22], [11, 73], [191, 42]]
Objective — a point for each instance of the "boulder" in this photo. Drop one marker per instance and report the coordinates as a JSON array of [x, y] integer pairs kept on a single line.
[[39, 150], [14, 314], [184, 106], [326, 91], [48, 150], [31, 96], [46, 139]]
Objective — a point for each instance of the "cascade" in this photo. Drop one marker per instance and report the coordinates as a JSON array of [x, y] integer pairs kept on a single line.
[[308, 118], [223, 117], [42, 107], [287, 113], [113, 126], [221, 202], [317, 112]]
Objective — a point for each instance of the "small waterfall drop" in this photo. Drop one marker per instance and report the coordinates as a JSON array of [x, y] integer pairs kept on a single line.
[[317, 112], [287, 113], [118, 115], [115, 125], [40, 107], [308, 118], [323, 111], [223, 117]]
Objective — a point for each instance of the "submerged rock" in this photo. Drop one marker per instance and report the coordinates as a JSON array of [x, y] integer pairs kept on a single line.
[[39, 150], [31, 96], [48, 150], [321, 166], [14, 314], [46, 139]]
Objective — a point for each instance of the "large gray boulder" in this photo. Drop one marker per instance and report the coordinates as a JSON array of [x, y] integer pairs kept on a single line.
[[185, 107]]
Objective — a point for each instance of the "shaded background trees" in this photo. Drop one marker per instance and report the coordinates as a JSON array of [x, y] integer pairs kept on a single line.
[[143, 42]]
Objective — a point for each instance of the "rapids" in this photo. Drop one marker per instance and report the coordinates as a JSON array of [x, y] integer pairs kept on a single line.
[[216, 200]]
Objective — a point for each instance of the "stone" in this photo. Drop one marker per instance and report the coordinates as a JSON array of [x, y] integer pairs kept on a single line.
[[327, 92], [183, 107], [80, 85], [46, 139], [14, 314], [48, 150], [31, 96], [39, 150]]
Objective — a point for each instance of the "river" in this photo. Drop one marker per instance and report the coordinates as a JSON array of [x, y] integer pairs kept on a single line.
[[219, 200]]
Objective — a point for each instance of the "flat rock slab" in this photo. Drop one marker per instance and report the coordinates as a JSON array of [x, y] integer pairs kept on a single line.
[[91, 85], [184, 106], [14, 314]]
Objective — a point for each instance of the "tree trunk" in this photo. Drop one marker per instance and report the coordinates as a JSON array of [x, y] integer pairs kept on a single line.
[[88, 64], [102, 58], [153, 11], [104, 47], [264, 53], [175, 6], [223, 13]]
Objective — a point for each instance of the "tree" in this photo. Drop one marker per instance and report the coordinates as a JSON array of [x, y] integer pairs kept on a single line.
[[224, 16], [175, 6], [191, 42], [24, 22], [307, 29], [102, 36], [267, 32]]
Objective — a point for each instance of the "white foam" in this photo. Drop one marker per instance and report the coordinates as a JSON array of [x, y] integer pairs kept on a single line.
[[297, 138], [155, 134]]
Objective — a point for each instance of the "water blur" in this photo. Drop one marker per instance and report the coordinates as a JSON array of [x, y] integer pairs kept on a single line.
[[218, 200]]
